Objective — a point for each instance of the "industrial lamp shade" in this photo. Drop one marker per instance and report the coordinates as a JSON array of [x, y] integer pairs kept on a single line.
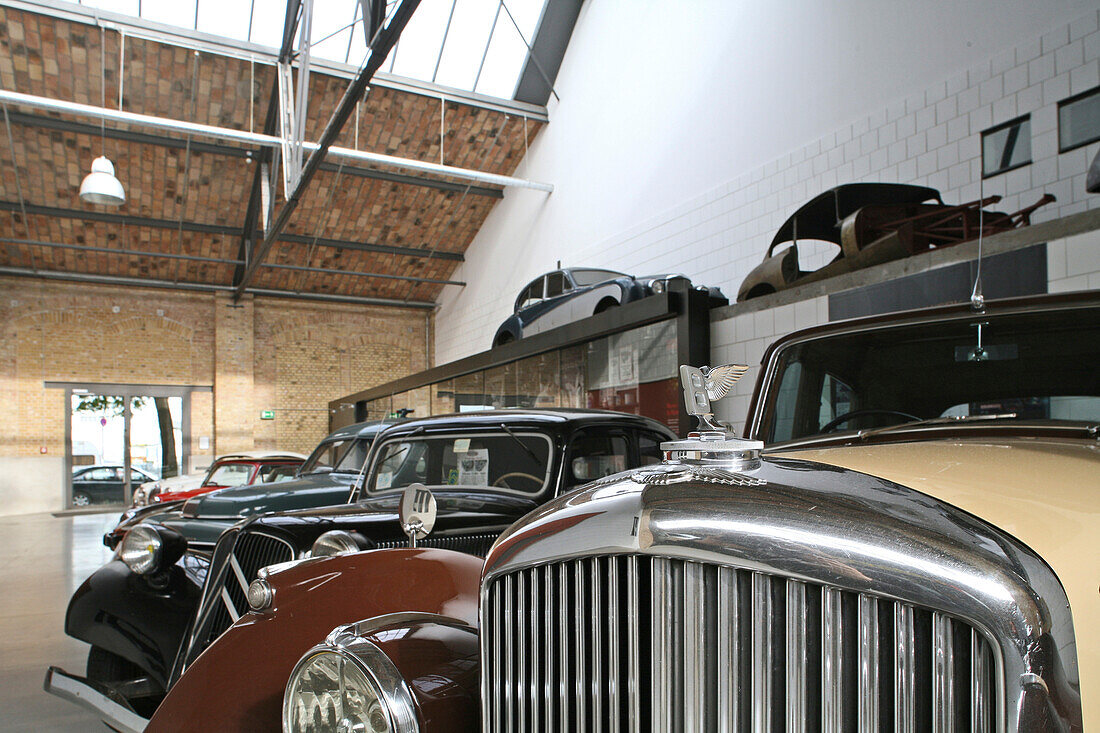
[[100, 186]]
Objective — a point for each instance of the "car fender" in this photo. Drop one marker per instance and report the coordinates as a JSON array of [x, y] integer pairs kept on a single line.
[[238, 682], [122, 612], [511, 326]]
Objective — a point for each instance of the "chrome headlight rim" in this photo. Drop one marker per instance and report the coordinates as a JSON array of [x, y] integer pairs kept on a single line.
[[142, 549], [334, 542], [389, 686], [658, 286]]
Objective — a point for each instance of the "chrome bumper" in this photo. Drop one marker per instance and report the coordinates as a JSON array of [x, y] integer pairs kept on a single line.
[[92, 697]]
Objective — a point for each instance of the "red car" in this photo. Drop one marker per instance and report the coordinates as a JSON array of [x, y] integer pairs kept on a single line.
[[241, 469]]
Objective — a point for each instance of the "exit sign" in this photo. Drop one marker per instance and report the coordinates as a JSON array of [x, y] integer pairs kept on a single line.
[[267, 415]]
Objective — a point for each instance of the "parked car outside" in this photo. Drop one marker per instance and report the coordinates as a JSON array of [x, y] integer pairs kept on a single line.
[[323, 479], [103, 484], [865, 224], [915, 551], [563, 296], [485, 468]]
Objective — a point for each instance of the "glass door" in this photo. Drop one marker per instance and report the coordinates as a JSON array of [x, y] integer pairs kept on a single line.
[[98, 447]]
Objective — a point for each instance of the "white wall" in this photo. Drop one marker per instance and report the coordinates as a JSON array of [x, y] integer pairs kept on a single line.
[[683, 139], [31, 484]]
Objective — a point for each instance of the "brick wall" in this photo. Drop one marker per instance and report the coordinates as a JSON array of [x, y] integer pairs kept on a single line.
[[257, 355]]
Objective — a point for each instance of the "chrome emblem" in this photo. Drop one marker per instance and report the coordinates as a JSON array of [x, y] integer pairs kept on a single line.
[[703, 385], [417, 512]]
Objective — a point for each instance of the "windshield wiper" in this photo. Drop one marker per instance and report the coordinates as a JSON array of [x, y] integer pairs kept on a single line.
[[863, 434], [520, 443]]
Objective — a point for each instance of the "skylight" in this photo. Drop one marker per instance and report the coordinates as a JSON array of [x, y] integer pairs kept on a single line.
[[473, 45]]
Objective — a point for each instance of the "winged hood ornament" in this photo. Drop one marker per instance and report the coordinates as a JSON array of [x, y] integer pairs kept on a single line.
[[703, 385]]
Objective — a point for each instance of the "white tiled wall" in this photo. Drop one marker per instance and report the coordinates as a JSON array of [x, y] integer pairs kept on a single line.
[[931, 138], [743, 339], [1073, 263]]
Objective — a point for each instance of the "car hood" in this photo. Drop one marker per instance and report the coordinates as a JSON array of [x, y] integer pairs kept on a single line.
[[1043, 491], [179, 483], [314, 490]]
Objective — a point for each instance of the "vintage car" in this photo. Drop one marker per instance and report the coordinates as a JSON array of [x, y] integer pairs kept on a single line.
[[103, 484], [159, 604], [563, 296], [235, 469], [325, 478], [865, 224], [915, 553]]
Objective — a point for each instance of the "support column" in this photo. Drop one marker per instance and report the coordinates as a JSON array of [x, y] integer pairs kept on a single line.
[[233, 377]]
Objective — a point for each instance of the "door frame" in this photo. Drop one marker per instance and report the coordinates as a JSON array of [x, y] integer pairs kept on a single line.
[[126, 391]]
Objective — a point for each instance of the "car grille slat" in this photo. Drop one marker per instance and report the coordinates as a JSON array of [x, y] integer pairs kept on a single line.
[[652, 644], [472, 544]]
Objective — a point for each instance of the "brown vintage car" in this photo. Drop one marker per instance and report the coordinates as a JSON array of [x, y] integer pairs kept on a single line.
[[914, 551], [871, 223]]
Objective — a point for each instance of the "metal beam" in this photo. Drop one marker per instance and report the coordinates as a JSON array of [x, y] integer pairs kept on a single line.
[[252, 138], [245, 51], [380, 47], [83, 128], [223, 261], [206, 288], [191, 226]]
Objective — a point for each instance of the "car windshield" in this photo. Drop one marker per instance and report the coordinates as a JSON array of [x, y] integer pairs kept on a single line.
[[1038, 366], [592, 277], [511, 462], [229, 474], [328, 454]]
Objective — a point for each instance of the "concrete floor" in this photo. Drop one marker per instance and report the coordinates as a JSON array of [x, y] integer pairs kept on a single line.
[[45, 558]]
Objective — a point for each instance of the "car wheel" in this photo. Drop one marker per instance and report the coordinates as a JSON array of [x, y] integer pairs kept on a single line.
[[110, 669], [81, 499], [606, 304]]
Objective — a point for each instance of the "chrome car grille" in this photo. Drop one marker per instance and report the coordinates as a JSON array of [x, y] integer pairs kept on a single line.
[[228, 600], [640, 643], [472, 544]]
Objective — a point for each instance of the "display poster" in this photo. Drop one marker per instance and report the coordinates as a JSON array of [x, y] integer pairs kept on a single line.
[[628, 365], [473, 468]]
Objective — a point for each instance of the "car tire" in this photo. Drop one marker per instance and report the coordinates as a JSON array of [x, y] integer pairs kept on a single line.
[[80, 499], [108, 668], [606, 304]]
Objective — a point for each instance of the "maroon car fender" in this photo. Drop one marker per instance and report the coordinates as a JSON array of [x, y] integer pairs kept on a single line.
[[238, 682]]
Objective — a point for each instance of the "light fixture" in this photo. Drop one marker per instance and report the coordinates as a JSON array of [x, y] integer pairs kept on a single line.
[[100, 186]]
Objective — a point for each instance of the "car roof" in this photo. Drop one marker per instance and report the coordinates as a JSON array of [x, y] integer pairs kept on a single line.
[[259, 455], [819, 218], [363, 429], [520, 417]]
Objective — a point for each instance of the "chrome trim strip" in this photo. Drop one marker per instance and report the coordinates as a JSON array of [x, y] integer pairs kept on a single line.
[[796, 717], [979, 673], [762, 653], [868, 721], [597, 619], [533, 643], [578, 643], [498, 656], [661, 642], [832, 661], [695, 645], [563, 647], [229, 605], [905, 670], [509, 655], [521, 647], [634, 668], [943, 675], [613, 611], [729, 652]]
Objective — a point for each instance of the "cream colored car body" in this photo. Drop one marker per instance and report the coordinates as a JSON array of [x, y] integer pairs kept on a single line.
[[1044, 492]]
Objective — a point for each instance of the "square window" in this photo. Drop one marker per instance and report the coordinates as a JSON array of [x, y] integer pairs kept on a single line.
[[1079, 120], [1006, 146]]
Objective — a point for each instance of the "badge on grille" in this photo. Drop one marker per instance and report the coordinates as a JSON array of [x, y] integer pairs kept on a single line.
[[417, 512]]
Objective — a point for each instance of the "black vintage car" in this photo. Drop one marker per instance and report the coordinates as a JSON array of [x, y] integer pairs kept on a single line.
[[152, 610], [103, 484]]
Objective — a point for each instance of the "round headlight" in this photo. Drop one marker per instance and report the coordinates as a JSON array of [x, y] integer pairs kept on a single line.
[[345, 690], [141, 549], [260, 594], [658, 286], [334, 542]]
